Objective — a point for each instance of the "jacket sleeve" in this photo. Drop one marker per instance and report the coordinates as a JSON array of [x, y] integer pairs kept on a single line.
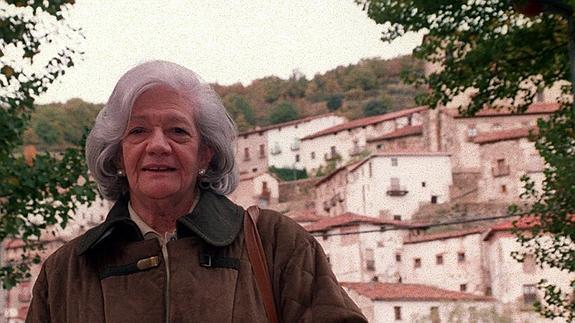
[[39, 311], [310, 292]]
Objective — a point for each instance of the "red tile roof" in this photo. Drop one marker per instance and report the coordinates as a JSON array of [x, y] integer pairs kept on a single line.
[[400, 153], [332, 174], [501, 135], [304, 216], [285, 124], [443, 235], [535, 108], [519, 223], [347, 219], [365, 122], [401, 132], [410, 292]]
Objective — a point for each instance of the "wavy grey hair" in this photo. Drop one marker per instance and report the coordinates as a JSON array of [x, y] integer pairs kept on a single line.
[[217, 129]]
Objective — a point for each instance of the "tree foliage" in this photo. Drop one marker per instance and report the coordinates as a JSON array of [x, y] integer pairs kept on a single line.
[[283, 112], [497, 56], [39, 194], [375, 107]]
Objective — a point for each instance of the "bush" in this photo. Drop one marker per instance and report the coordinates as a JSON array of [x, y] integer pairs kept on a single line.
[[288, 174]]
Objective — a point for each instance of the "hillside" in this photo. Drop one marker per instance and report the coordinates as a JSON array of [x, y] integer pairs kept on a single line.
[[373, 83]]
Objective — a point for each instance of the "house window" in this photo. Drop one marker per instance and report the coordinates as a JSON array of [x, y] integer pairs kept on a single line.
[[529, 264], [439, 259], [380, 146], [433, 199], [488, 291], [297, 158], [397, 217], [397, 257], [540, 95], [503, 188], [246, 153], [394, 161], [529, 294], [369, 260], [461, 257], [463, 287], [417, 263], [397, 312], [423, 184], [471, 131], [262, 151], [312, 155], [434, 314], [370, 170]]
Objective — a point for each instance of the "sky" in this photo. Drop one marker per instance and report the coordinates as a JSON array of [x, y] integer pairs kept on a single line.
[[223, 41]]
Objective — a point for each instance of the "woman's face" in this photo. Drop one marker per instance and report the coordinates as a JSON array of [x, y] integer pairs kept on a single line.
[[161, 149]]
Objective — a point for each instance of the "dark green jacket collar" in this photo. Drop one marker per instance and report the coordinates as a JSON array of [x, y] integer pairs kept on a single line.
[[215, 219]]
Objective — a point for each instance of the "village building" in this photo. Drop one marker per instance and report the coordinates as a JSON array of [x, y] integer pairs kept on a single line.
[[396, 302], [450, 260], [395, 185], [513, 283], [340, 144], [507, 156], [256, 189], [360, 248], [331, 192], [278, 145]]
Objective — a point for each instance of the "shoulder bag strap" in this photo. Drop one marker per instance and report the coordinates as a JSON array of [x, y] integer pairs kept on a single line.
[[258, 260]]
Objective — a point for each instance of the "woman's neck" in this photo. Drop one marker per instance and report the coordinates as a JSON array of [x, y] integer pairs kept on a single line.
[[161, 215]]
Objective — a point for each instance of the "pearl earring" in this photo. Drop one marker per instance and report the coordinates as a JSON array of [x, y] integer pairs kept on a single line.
[[202, 172], [120, 173]]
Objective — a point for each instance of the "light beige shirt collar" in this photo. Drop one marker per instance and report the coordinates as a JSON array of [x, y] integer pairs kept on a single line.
[[147, 230]]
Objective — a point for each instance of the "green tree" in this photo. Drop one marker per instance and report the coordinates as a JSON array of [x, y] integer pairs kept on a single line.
[[375, 107], [283, 112], [334, 102], [42, 194], [493, 52], [241, 111]]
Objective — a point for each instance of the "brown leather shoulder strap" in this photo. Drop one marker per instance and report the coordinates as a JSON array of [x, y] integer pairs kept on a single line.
[[258, 261]]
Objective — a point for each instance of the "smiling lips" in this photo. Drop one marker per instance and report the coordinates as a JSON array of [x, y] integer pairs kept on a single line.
[[158, 169]]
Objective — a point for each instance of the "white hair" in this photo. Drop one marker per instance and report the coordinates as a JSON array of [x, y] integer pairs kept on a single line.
[[216, 127]]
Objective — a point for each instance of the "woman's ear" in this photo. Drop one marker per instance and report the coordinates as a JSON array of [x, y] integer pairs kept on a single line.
[[206, 155]]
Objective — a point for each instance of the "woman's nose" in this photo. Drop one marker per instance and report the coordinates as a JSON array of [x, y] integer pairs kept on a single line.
[[158, 143]]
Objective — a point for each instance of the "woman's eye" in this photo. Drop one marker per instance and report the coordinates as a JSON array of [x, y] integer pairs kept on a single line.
[[180, 131], [136, 131]]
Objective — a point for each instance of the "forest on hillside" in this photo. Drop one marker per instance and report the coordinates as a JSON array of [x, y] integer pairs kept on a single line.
[[370, 87]]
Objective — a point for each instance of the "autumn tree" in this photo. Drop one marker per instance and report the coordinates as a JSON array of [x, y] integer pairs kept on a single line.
[[495, 54], [41, 194]]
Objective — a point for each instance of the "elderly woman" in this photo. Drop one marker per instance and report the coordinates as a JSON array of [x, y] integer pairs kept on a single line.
[[172, 248]]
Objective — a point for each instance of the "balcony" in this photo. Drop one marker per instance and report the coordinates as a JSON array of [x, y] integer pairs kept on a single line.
[[332, 156], [396, 191], [276, 150], [356, 150], [502, 170], [294, 146]]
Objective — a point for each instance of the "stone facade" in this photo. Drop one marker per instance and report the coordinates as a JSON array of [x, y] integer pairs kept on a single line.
[[395, 185], [347, 141]]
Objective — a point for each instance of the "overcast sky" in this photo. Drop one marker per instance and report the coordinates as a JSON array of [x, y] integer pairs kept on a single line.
[[223, 41]]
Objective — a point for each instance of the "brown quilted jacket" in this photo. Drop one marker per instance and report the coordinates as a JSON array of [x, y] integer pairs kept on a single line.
[[111, 274]]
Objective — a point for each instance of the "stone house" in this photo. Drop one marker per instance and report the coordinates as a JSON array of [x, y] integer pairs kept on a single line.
[[341, 143], [395, 185], [256, 189], [395, 302], [506, 156], [352, 255]]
